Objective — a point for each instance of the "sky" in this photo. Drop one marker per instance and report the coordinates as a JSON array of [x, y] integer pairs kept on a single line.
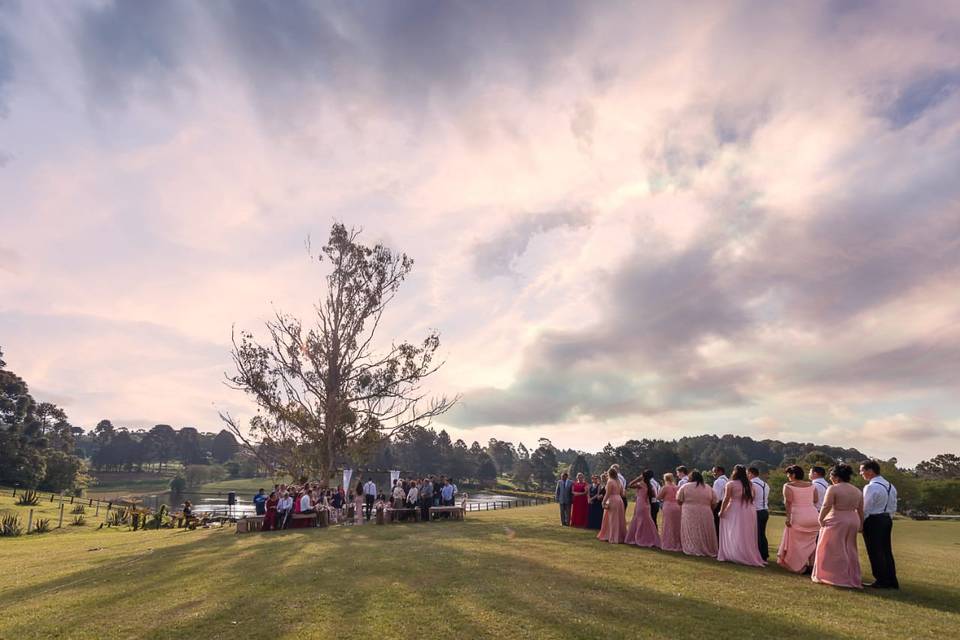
[[628, 220]]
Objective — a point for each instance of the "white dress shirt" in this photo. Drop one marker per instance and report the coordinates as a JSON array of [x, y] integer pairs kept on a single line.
[[879, 496], [820, 485], [370, 489], [413, 495], [760, 492], [718, 486], [623, 483], [305, 503], [285, 504], [682, 481], [656, 489]]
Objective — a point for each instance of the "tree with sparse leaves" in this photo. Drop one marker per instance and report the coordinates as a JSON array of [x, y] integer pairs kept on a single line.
[[322, 392]]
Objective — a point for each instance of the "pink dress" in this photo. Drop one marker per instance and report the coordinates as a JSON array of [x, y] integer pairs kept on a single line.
[[614, 526], [671, 519], [698, 537], [799, 541], [358, 510], [837, 560], [642, 531], [738, 529]]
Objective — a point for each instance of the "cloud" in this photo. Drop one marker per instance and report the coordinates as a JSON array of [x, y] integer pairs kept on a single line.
[[496, 256]]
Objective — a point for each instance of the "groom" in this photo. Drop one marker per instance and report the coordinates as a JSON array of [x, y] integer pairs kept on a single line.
[[564, 496]]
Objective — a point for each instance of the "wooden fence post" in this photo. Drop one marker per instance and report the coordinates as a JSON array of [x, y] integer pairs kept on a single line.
[[30, 521], [98, 510], [14, 492], [60, 526], [71, 499]]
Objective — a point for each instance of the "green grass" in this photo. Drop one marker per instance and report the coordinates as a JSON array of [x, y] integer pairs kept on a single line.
[[109, 485], [503, 574]]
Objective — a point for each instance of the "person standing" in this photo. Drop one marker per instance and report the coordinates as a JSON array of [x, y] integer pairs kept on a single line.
[[564, 497], [670, 540], [595, 498], [369, 496], [879, 506], [802, 525], [837, 561], [654, 501], [697, 535], [622, 480], [720, 481], [682, 476], [761, 490], [270, 512], [820, 484], [260, 503], [613, 529], [580, 504], [642, 530], [738, 522], [426, 498]]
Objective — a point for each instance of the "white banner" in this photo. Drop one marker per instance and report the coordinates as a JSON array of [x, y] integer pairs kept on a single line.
[[394, 476], [347, 474]]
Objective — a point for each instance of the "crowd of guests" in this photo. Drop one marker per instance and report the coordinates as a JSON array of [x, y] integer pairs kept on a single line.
[[279, 506], [728, 519]]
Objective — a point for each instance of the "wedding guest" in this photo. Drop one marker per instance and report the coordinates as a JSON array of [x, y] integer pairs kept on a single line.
[[613, 529], [426, 498], [564, 496], [284, 509], [802, 525], [595, 499], [399, 495], [761, 490], [670, 540], [719, 483], [879, 507], [682, 477], [306, 503], [358, 500], [837, 560], [820, 484], [270, 512], [446, 496], [697, 534], [622, 480], [260, 502], [738, 522], [369, 496], [655, 501], [642, 531], [580, 505]]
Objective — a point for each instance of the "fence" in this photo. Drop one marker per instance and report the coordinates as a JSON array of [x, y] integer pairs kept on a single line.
[[63, 501]]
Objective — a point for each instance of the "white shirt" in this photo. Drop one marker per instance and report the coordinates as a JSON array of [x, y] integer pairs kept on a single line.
[[454, 488], [305, 503], [370, 489], [623, 483], [398, 492], [682, 481], [718, 486], [760, 492], [879, 496], [820, 485], [414, 494], [656, 488], [285, 504]]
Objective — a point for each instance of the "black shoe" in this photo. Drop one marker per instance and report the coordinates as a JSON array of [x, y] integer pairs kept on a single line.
[[808, 571]]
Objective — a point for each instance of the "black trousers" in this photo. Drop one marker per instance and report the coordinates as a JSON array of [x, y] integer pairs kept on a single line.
[[425, 504], [716, 519], [654, 510], [368, 505], [762, 516], [877, 536]]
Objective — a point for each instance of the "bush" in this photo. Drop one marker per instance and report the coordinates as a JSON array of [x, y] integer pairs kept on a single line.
[[42, 525], [178, 485], [198, 474], [29, 498], [79, 509], [10, 525], [78, 521], [118, 517]]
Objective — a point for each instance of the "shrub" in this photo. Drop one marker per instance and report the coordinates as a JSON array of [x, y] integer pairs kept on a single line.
[[156, 521], [10, 525], [42, 525], [78, 521], [79, 509], [29, 498], [178, 485], [117, 518]]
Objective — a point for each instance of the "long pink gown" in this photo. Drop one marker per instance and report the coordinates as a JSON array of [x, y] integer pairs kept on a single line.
[[698, 537], [799, 541], [670, 541], [642, 530], [837, 560], [614, 526], [738, 530]]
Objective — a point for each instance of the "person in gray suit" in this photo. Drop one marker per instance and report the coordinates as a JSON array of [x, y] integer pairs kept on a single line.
[[564, 496]]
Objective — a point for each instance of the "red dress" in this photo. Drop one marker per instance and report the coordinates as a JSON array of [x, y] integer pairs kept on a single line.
[[580, 508]]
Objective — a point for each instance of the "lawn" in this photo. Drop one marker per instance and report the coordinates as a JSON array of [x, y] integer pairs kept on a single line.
[[505, 574]]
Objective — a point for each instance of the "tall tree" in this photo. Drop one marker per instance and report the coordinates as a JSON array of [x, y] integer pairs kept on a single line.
[[323, 391], [945, 466], [224, 446], [580, 466]]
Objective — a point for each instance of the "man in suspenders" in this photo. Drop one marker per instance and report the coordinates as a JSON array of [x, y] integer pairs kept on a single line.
[[879, 505], [761, 490], [820, 484]]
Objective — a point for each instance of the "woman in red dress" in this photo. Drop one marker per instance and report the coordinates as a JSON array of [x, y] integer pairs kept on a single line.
[[580, 508]]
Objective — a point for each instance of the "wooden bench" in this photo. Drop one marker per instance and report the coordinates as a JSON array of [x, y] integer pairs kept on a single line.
[[393, 515], [458, 512], [250, 523]]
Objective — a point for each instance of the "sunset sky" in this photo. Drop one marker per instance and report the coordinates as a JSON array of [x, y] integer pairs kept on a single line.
[[628, 219]]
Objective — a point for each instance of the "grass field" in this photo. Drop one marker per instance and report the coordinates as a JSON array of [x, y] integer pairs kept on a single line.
[[506, 574]]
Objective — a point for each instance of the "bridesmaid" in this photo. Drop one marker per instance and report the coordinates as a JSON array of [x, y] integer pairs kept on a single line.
[[698, 537], [837, 560], [738, 522], [595, 499], [578, 511], [614, 526], [671, 514], [643, 530], [799, 541]]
